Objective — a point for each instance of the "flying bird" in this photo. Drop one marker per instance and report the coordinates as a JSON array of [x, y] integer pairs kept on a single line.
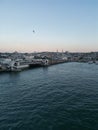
[[33, 31]]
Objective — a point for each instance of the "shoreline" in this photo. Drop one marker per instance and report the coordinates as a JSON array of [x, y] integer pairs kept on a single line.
[[39, 65]]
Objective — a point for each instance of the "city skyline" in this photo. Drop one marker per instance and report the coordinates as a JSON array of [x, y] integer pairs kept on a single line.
[[35, 25]]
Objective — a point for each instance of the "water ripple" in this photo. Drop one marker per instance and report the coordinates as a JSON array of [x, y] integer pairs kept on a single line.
[[60, 97]]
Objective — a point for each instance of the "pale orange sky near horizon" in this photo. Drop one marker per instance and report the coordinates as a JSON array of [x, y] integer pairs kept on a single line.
[[59, 25]]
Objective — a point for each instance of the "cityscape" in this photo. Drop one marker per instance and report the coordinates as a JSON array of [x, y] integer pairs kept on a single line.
[[18, 61]]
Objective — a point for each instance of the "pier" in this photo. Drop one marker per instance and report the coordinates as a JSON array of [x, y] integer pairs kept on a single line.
[[19, 66]]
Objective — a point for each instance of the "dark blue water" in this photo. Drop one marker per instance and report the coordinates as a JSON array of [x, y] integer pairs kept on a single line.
[[59, 97]]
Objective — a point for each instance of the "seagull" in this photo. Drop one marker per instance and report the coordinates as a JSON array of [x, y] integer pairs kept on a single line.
[[33, 31]]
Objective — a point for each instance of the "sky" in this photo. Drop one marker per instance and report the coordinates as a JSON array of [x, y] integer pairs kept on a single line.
[[68, 25]]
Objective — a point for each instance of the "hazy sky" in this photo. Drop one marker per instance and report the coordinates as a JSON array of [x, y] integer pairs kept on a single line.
[[71, 25]]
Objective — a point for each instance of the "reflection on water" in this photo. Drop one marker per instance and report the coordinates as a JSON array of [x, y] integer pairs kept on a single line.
[[45, 69]]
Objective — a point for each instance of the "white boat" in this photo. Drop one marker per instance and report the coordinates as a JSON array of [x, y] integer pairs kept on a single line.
[[90, 62], [96, 62]]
